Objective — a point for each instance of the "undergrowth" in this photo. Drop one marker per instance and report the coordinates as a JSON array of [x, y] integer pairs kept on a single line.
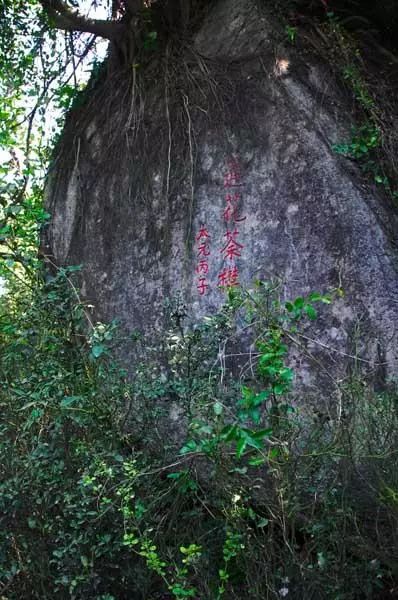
[[202, 474], [101, 497], [365, 69], [374, 141]]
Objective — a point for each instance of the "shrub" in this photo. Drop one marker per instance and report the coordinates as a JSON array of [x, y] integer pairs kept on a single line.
[[262, 500]]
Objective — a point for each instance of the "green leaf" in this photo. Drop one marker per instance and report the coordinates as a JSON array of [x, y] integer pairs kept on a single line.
[[256, 461], [262, 523], [129, 539], [97, 350], [273, 453], [176, 475], [310, 312], [254, 414], [34, 416], [314, 297], [218, 408], [251, 440], [280, 388], [229, 433], [321, 560], [190, 446], [84, 561], [286, 374], [241, 447], [68, 400], [268, 357], [261, 434], [299, 302]]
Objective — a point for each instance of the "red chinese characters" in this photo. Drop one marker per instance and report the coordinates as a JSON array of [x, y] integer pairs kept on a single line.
[[232, 178], [202, 268], [203, 252], [232, 247], [229, 277], [231, 211]]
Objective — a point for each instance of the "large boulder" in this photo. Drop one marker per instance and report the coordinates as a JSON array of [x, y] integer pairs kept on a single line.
[[213, 165]]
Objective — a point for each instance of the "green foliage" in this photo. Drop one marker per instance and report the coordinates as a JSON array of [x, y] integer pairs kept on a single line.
[[93, 505], [372, 135], [363, 141], [353, 76], [21, 212], [258, 412], [99, 496], [57, 442], [363, 146], [232, 548], [291, 33], [41, 77], [150, 41]]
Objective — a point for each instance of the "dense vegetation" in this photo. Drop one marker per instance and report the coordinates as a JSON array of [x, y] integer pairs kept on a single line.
[[261, 500], [100, 500], [247, 491]]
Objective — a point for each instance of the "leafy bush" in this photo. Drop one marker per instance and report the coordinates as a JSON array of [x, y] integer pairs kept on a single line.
[[262, 500]]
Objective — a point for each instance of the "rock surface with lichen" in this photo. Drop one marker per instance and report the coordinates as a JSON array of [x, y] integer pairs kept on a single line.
[[142, 165]]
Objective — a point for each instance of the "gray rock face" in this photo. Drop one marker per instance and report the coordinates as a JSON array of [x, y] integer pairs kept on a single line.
[[154, 196]]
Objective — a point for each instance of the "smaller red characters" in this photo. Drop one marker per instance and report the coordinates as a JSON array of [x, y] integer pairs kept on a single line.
[[203, 249], [202, 285], [229, 277], [202, 267], [203, 233]]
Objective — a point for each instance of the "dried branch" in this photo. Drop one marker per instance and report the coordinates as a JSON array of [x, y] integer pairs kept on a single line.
[[69, 20]]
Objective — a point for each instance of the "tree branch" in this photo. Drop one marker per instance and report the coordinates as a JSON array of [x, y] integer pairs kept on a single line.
[[69, 20]]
